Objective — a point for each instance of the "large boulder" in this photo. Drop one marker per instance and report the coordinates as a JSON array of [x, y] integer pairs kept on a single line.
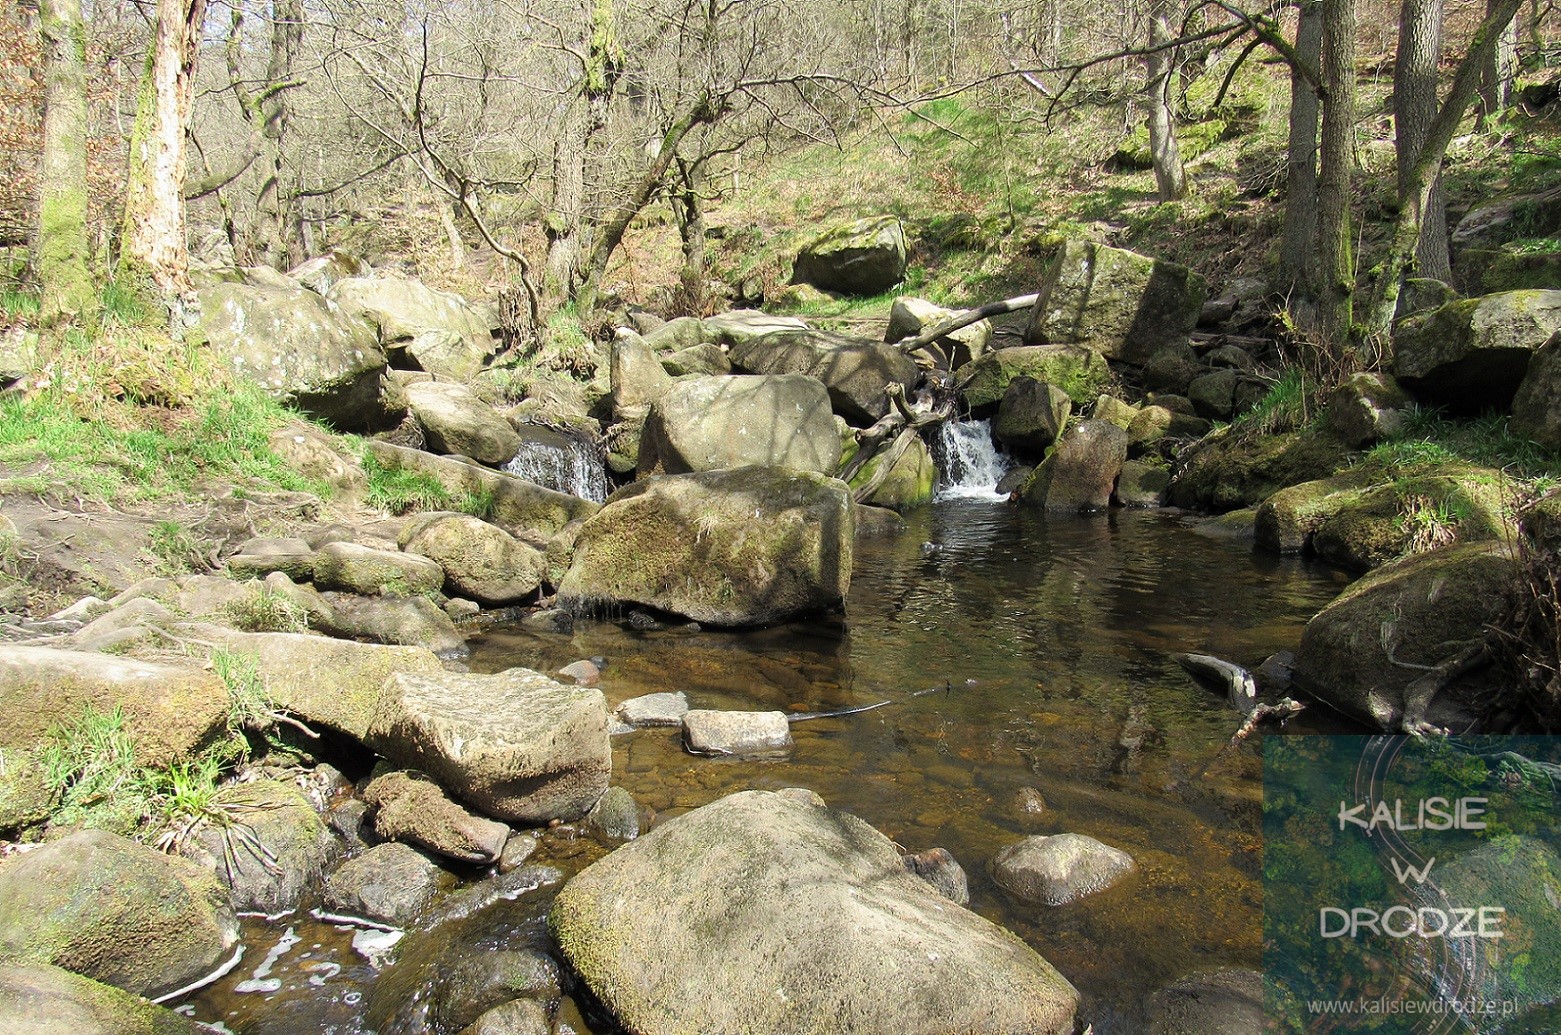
[[323, 681], [281, 856], [514, 504], [1473, 354], [38, 999], [1231, 469], [401, 620], [369, 571], [171, 711], [1362, 653], [635, 374], [1495, 223], [301, 349], [516, 745], [1361, 519], [454, 420], [740, 547], [710, 423], [1121, 304], [105, 907], [909, 317], [1536, 409], [423, 329], [481, 562], [766, 912], [1080, 473], [739, 325], [1078, 371], [1032, 415], [866, 257], [856, 371]]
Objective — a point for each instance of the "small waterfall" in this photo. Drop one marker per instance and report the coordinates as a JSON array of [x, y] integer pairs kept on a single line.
[[562, 462], [969, 465]]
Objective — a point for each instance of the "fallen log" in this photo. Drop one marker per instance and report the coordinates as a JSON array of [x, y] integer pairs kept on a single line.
[[965, 319]]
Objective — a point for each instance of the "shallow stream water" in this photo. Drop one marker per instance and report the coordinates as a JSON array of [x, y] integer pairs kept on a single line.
[[1050, 641]]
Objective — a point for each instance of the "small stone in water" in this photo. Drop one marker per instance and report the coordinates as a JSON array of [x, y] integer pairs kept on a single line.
[[584, 673], [663, 709]]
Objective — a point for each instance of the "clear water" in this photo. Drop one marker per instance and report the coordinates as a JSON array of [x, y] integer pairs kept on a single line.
[[969, 465], [1049, 639]]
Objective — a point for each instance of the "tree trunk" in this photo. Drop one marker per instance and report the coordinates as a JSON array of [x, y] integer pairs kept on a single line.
[[1500, 67], [1423, 176], [1298, 249], [1414, 109], [277, 236], [153, 255], [563, 224], [62, 249], [688, 209], [1335, 249], [1170, 177]]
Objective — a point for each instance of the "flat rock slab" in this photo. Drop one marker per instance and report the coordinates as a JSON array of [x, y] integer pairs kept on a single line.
[[170, 711], [747, 734], [516, 745], [1059, 869], [665, 709], [768, 912], [367, 571]]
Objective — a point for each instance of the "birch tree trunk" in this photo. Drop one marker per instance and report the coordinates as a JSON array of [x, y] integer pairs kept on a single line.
[[1414, 109], [1170, 177], [154, 258], [62, 248], [277, 236], [1500, 67]]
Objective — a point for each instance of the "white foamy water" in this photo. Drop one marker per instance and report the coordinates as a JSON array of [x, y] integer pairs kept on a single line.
[[969, 465]]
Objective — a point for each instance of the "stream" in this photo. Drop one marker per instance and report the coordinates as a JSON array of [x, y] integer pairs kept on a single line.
[[1049, 639]]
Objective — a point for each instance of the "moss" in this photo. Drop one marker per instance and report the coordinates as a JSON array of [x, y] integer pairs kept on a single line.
[[908, 485]]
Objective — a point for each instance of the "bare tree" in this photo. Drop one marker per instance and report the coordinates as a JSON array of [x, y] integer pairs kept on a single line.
[[60, 259], [1335, 249], [153, 254], [1159, 65], [1298, 247]]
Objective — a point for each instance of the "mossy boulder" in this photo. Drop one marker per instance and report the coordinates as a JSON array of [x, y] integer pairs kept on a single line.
[[1514, 218], [302, 350], [171, 711], [421, 329], [866, 257], [701, 359], [856, 371], [909, 484], [293, 847], [1363, 519], [455, 421], [514, 504], [105, 907], [411, 808], [1536, 410], [1081, 472], [37, 999], [635, 374], [481, 562], [399, 620], [1365, 408], [1235, 468], [323, 681], [1473, 354], [1153, 423], [767, 911], [742, 547], [1032, 415], [1363, 651], [1078, 371], [1489, 270], [1121, 304], [515, 745], [372, 572], [711, 423]]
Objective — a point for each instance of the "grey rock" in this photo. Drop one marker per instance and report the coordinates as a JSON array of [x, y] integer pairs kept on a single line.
[[370, 572], [748, 734], [712, 423], [855, 371], [411, 808], [861, 258], [663, 709], [1121, 304], [1059, 869], [43, 1000], [455, 421], [1081, 472], [616, 816], [938, 867], [295, 846], [390, 883], [1227, 1001]]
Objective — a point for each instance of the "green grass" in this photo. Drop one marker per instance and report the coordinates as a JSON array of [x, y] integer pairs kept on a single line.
[[401, 491], [266, 610], [91, 770], [1431, 438], [1288, 405], [174, 546], [105, 455]]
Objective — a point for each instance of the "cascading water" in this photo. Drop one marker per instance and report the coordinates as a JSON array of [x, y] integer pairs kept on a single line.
[[969, 465], [564, 463]]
